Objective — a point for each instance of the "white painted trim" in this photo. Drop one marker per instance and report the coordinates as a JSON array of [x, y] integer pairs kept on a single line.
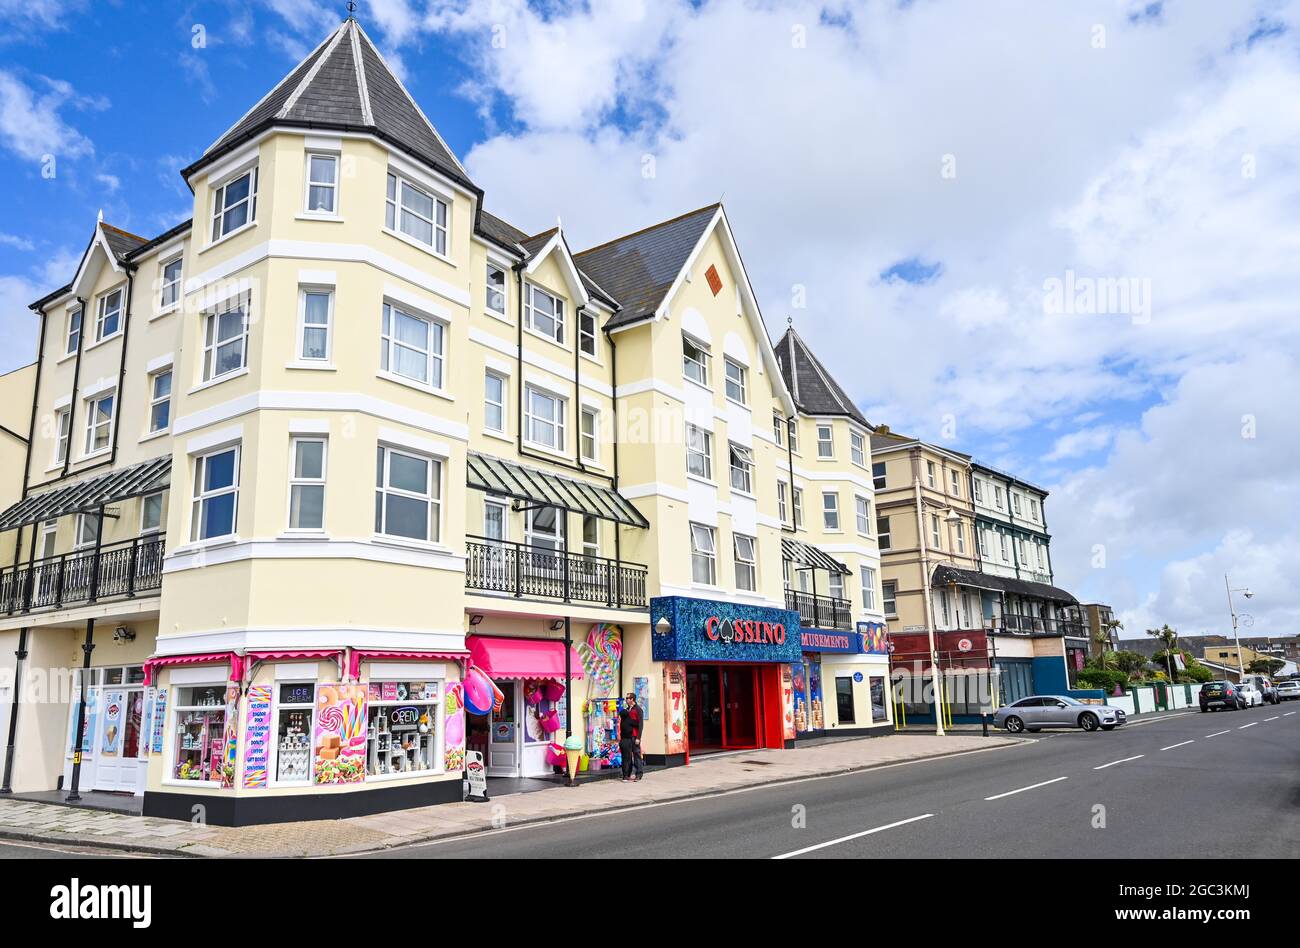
[[509, 349], [160, 363], [198, 675], [400, 439], [425, 305], [99, 387], [317, 278], [268, 638], [267, 400], [659, 387], [214, 439], [655, 489], [309, 426], [429, 556]]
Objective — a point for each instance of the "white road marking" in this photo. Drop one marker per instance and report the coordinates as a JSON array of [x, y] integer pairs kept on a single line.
[[1244, 726], [1124, 761], [845, 839], [1217, 733], [1288, 714], [1273, 718], [1034, 786], [1172, 746]]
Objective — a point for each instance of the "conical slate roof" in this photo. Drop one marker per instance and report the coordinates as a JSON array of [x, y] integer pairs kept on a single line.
[[344, 84], [815, 391]]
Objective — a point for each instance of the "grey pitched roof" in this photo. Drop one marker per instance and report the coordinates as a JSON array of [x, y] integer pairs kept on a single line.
[[815, 391], [121, 242], [495, 229], [535, 243], [944, 575], [344, 84], [639, 269], [891, 439]]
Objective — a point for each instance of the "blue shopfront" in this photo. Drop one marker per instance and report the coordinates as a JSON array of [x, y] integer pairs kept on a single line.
[[737, 660], [841, 681]]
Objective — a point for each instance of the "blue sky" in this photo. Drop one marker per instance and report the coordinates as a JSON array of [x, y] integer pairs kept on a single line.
[[906, 178]]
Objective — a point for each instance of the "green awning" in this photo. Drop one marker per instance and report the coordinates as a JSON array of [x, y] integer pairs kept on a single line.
[[544, 489], [125, 483]]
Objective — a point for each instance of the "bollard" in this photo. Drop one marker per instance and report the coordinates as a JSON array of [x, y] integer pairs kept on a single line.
[[984, 720]]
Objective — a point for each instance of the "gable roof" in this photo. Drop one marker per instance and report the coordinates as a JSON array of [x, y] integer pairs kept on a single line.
[[498, 231], [121, 242], [640, 268], [815, 391], [117, 244], [344, 84]]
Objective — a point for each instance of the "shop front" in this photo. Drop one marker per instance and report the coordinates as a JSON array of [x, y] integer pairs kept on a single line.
[[737, 687], [516, 738], [855, 675]]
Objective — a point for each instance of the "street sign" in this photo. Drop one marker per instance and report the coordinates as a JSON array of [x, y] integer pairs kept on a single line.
[[476, 773]]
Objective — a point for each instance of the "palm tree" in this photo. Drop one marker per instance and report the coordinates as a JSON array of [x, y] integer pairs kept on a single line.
[[1169, 639], [1106, 657]]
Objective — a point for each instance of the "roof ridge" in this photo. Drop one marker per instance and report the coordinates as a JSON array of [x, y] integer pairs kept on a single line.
[[334, 39], [415, 105], [125, 233], [367, 112], [644, 230]]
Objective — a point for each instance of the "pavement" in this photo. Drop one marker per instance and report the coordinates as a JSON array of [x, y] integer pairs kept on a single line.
[[61, 827], [1181, 785]]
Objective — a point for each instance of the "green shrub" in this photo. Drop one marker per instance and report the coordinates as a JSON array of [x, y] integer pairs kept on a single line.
[[1105, 679]]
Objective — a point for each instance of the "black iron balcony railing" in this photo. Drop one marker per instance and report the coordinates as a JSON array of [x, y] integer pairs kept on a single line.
[[84, 576], [533, 572], [820, 612], [1033, 624]]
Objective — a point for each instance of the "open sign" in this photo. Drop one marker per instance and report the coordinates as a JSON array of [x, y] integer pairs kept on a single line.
[[404, 715]]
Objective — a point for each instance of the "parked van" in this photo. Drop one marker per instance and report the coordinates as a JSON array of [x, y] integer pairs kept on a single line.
[[1265, 686]]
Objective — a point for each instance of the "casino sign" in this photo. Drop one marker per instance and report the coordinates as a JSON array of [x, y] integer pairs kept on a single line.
[[706, 630]]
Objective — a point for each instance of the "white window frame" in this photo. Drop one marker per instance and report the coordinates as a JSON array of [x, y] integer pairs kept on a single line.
[[983, 536], [739, 382], [212, 346], [273, 772], [587, 341], [102, 312], [591, 548], [997, 497], [63, 434], [556, 316], [826, 445], [488, 402], [328, 326], [1015, 502], [862, 514], [200, 495], [589, 441], [155, 400], [220, 209], [173, 287], [878, 479], [94, 427], [831, 511], [742, 471], [699, 444], [1002, 545], [954, 483], [936, 532], [72, 332], [701, 364], [746, 561], [704, 551], [858, 448], [867, 577], [85, 531], [959, 530], [557, 422], [331, 186], [778, 428], [929, 474], [885, 536], [432, 496], [782, 508], [434, 356], [395, 189], [144, 507], [976, 490], [297, 481], [796, 498], [888, 586], [488, 290]]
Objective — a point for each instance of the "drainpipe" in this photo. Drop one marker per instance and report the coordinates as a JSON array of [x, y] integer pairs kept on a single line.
[[568, 677], [87, 648], [121, 372], [76, 382], [31, 420], [577, 390], [929, 606], [789, 455], [613, 383], [21, 654]]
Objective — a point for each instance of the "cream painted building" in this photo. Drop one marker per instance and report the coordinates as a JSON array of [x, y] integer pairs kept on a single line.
[[315, 471]]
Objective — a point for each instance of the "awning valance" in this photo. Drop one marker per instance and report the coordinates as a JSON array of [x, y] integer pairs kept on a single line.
[[125, 483], [534, 486], [358, 655], [203, 658], [522, 659], [805, 554], [947, 575]]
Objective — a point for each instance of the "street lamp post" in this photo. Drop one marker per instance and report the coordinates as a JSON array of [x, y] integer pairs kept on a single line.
[[1232, 611]]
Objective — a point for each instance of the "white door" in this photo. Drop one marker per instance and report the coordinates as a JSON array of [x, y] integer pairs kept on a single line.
[[117, 745], [503, 736]]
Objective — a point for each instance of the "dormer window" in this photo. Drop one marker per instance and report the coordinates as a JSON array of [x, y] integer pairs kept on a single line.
[[412, 211], [234, 204], [544, 314], [74, 331], [109, 319]]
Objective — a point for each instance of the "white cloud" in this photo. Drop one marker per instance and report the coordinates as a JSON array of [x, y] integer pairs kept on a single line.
[[111, 182], [30, 122], [1080, 443], [18, 243]]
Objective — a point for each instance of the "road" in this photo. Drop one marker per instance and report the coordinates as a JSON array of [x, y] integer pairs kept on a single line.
[[1186, 785]]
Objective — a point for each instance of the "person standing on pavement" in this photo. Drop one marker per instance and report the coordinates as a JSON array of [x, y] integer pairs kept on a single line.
[[631, 724]]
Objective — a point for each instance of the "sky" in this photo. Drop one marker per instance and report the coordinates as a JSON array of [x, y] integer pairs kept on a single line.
[[1060, 236]]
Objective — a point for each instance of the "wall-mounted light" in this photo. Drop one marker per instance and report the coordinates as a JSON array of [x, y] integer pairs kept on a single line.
[[557, 625], [475, 619], [123, 634]]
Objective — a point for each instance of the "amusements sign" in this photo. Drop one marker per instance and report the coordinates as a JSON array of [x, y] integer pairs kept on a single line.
[[257, 736], [674, 708], [340, 734]]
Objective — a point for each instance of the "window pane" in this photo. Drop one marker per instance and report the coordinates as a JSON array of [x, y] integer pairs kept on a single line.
[[309, 460], [417, 201], [235, 218], [406, 517], [316, 309], [315, 342], [322, 169], [411, 330], [219, 471], [160, 416], [151, 519], [320, 198], [420, 229], [218, 518], [413, 365], [408, 473], [307, 506], [230, 357]]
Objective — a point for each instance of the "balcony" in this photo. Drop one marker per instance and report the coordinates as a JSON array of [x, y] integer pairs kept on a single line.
[[1029, 625], [123, 569], [533, 572], [820, 612]]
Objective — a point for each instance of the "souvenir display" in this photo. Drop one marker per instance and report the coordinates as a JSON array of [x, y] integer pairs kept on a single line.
[[402, 737], [602, 732]]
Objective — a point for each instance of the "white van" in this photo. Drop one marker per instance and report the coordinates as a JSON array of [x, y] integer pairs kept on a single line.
[[1264, 685]]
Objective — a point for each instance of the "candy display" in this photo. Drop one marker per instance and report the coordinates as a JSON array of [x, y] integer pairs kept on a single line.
[[340, 733], [401, 736], [601, 655], [200, 734], [602, 732]]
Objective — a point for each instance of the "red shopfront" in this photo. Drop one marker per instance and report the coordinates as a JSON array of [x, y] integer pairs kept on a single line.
[[734, 706]]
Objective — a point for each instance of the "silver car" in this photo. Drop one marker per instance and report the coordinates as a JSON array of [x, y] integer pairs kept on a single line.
[[1288, 690], [1040, 711]]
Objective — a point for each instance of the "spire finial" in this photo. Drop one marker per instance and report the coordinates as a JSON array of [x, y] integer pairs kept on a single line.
[[789, 321], [352, 9]]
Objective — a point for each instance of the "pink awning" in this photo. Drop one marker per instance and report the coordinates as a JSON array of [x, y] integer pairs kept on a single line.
[[204, 658], [370, 655], [522, 658]]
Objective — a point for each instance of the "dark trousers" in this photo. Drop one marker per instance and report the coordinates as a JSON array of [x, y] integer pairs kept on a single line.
[[631, 759]]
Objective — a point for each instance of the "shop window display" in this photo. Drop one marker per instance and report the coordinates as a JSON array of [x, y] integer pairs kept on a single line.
[[293, 733], [200, 733], [402, 737]]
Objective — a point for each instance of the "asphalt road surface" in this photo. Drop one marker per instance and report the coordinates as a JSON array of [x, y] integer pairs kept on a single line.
[[1186, 785]]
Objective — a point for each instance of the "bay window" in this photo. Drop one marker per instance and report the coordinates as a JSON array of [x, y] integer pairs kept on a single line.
[[825, 441], [316, 309], [307, 484], [868, 578], [408, 498], [544, 418], [858, 448], [830, 510], [225, 342], [216, 495], [322, 184], [412, 211], [862, 508], [234, 204], [411, 346]]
